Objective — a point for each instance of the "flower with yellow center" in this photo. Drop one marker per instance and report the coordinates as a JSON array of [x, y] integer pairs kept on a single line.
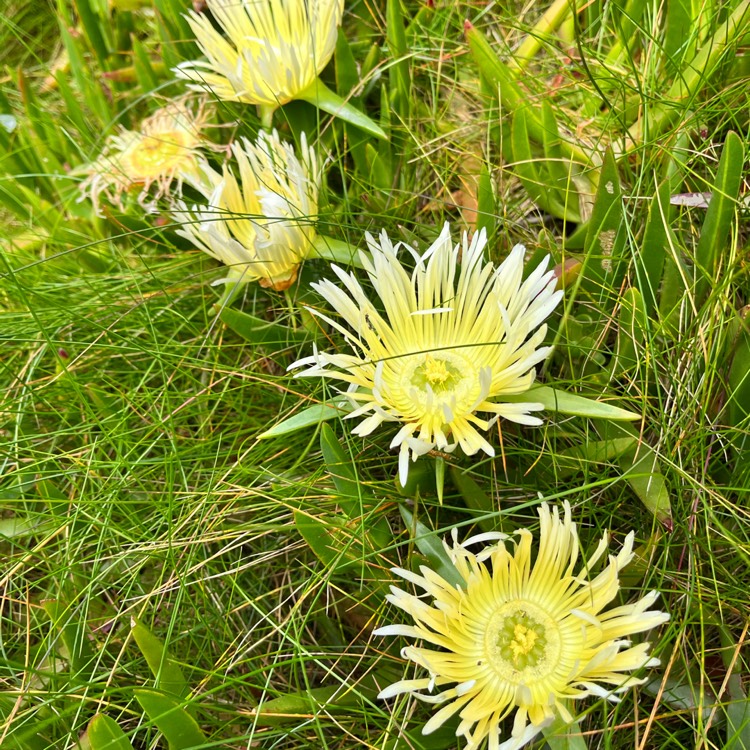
[[164, 149], [452, 341], [260, 224], [521, 635], [273, 49]]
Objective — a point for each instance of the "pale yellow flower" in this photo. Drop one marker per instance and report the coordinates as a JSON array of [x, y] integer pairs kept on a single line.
[[260, 211], [452, 340], [521, 633], [164, 149], [273, 49]]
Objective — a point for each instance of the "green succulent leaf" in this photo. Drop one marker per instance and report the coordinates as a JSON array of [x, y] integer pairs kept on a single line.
[[322, 97], [178, 727], [562, 402], [313, 415], [104, 733]]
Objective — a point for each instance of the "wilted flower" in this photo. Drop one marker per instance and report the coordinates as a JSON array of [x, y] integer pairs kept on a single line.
[[523, 637], [273, 50], [444, 349], [259, 223], [164, 149]]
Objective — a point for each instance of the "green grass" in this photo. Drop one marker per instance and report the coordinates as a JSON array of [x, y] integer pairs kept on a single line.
[[133, 482]]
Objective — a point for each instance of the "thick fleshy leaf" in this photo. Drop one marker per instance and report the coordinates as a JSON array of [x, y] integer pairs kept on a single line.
[[12, 528], [338, 544], [143, 67], [399, 73], [738, 392], [569, 403], [104, 733], [476, 499], [563, 736], [696, 73], [681, 17], [340, 466], [72, 627], [500, 77], [313, 415], [632, 326], [534, 177], [178, 727], [652, 252], [641, 468], [304, 704], [93, 31], [598, 451], [605, 238], [560, 170], [17, 735], [486, 210], [318, 537], [347, 76], [353, 498], [335, 251], [379, 169], [321, 96], [738, 715], [681, 695], [259, 331], [430, 545], [720, 213], [168, 674]]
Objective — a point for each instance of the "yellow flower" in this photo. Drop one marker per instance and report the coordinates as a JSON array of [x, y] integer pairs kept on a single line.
[[273, 50], [523, 637], [166, 147], [449, 344], [259, 225]]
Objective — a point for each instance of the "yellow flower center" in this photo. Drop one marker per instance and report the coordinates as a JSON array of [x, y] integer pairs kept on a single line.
[[154, 155], [523, 642], [435, 389], [440, 374]]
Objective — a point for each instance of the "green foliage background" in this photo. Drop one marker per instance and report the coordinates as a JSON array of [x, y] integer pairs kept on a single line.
[[192, 585]]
